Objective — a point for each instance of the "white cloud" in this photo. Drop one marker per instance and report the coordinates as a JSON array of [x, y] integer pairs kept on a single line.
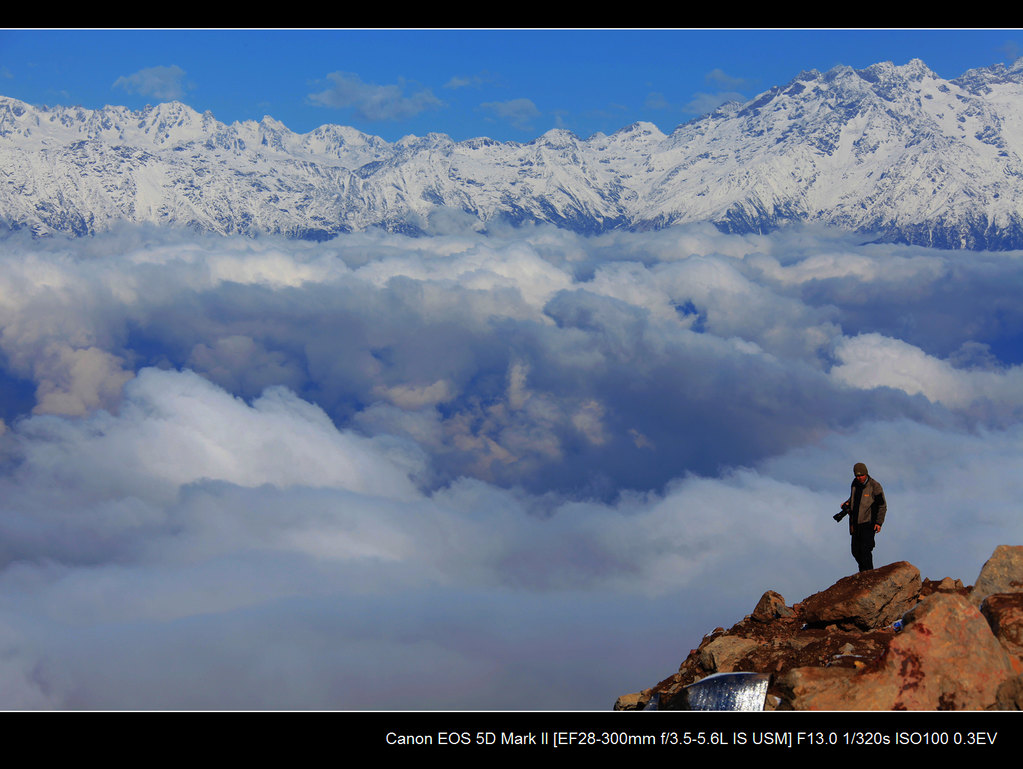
[[419, 465], [160, 82], [719, 77], [371, 101], [77, 381], [470, 81], [872, 360], [727, 88], [701, 103], [520, 113]]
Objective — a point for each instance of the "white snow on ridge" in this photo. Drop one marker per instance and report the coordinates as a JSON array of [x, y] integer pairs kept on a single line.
[[889, 149]]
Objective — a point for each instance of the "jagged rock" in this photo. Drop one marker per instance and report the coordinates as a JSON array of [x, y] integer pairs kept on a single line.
[[774, 648], [634, 701], [1003, 573], [1010, 694], [1004, 614], [770, 606], [946, 585], [837, 649], [815, 688], [944, 659], [721, 654], [869, 599]]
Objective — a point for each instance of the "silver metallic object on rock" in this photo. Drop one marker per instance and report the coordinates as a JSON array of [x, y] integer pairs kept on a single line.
[[727, 691]]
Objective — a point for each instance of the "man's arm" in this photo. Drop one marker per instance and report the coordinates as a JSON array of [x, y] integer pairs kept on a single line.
[[843, 512], [882, 507]]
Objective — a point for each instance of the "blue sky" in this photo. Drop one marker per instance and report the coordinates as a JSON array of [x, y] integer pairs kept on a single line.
[[506, 84]]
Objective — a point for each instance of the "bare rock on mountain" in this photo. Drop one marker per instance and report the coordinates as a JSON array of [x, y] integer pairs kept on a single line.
[[771, 606], [1004, 614], [1010, 694], [843, 649], [1002, 573], [722, 654], [945, 658], [946, 585], [869, 599]]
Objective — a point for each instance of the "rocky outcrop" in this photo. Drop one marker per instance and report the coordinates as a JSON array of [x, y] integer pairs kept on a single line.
[[877, 640], [945, 658], [1004, 615], [866, 600], [1003, 573]]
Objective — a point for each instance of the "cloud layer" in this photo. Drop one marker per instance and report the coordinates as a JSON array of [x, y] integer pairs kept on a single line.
[[470, 471]]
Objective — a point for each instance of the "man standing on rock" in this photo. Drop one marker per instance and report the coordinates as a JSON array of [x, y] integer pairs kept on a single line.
[[865, 507]]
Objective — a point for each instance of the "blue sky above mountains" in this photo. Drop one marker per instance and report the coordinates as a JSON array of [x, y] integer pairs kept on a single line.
[[506, 84]]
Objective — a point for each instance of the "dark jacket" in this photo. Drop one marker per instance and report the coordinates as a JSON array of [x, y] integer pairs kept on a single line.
[[872, 503]]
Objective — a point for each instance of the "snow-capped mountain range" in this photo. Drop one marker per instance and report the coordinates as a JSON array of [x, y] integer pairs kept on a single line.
[[894, 152]]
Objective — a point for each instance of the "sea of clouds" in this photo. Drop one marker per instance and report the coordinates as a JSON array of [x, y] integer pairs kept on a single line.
[[525, 469]]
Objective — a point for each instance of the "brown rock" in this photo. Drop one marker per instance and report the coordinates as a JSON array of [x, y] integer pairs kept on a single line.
[[947, 585], [1003, 573], [1010, 694], [1004, 614], [773, 647], [816, 689], [944, 659], [869, 599], [771, 606], [634, 701], [721, 654], [838, 649]]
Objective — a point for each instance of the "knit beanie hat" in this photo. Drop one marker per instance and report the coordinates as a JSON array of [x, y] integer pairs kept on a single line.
[[859, 469]]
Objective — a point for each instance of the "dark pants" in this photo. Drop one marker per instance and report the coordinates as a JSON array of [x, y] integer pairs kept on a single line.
[[862, 545]]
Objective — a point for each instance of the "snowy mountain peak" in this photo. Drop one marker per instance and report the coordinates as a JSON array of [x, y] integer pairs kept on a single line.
[[640, 129], [913, 70], [979, 81], [557, 138], [273, 124], [892, 151]]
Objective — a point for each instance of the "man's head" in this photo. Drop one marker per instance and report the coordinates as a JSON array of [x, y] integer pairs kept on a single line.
[[860, 471]]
